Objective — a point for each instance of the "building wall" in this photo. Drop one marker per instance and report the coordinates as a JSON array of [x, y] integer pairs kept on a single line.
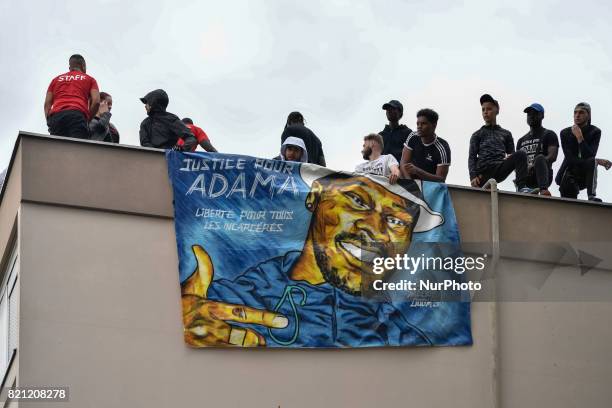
[[101, 313]]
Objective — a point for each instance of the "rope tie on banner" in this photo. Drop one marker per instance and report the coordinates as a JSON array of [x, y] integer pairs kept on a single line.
[[288, 294]]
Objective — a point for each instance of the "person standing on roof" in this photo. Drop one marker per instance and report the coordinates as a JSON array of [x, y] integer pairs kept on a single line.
[[394, 135], [295, 127], [100, 128], [163, 129], [200, 135], [72, 99]]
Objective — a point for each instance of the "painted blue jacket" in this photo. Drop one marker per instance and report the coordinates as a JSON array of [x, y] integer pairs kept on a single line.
[[319, 315]]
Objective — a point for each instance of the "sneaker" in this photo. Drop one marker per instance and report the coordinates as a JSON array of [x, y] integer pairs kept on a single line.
[[545, 192], [595, 199], [526, 190]]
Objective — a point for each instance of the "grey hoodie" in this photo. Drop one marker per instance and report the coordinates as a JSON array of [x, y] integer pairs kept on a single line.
[[294, 141], [102, 130]]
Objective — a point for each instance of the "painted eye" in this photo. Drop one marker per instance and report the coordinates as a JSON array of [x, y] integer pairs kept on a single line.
[[357, 201], [396, 222]]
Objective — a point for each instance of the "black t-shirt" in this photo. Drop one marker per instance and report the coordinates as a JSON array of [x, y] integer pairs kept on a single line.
[[394, 140], [428, 156], [534, 144], [312, 142]]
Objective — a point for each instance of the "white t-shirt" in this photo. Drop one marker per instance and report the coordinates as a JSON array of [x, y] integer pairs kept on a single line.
[[381, 166]]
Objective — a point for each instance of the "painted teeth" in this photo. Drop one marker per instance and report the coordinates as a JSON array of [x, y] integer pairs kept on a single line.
[[352, 249], [359, 253]]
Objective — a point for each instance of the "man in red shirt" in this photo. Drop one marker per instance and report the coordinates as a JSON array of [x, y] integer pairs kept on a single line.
[[72, 99], [202, 137]]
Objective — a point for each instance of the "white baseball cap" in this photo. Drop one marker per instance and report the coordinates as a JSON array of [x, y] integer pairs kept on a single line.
[[428, 218]]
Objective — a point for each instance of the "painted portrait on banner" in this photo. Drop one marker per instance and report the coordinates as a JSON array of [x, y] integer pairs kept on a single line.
[[279, 254]]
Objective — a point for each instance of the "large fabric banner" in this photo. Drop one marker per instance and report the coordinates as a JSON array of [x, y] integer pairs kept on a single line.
[[285, 254]]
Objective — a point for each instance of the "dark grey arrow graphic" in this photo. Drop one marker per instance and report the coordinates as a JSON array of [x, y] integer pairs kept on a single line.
[[581, 259], [587, 262], [570, 257], [545, 256]]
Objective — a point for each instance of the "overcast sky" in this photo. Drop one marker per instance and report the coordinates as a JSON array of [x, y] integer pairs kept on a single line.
[[238, 68]]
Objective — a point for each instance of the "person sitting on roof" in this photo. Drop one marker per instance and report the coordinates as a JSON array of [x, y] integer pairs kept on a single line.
[[492, 154], [426, 156], [541, 146], [71, 100], [100, 127], [580, 143], [377, 163]]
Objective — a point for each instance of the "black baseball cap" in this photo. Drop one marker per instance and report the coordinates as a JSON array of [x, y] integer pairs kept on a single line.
[[393, 104], [488, 98]]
